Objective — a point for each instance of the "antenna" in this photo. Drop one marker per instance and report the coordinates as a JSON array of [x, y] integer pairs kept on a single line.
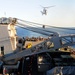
[[5, 14]]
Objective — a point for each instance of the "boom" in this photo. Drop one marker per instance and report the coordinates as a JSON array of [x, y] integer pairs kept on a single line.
[[56, 41]]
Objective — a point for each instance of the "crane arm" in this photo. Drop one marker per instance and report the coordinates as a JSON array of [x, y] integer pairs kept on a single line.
[[57, 43]]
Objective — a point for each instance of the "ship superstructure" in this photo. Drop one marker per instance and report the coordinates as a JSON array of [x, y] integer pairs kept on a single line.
[[7, 35]]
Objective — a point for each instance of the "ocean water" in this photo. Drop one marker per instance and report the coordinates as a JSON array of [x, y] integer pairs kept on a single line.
[[23, 32], [61, 31], [26, 33]]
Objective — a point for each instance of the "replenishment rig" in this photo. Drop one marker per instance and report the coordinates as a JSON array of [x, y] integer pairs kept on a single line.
[[32, 56]]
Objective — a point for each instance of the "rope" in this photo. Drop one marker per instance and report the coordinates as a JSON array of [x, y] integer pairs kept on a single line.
[[46, 25], [34, 30], [48, 31]]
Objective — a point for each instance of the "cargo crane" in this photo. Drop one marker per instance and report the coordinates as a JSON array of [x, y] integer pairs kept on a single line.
[[13, 53]]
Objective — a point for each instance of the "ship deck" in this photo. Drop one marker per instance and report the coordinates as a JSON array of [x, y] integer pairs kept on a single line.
[[61, 51]]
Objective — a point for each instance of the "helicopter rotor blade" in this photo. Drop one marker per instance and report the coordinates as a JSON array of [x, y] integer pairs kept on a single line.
[[50, 6]]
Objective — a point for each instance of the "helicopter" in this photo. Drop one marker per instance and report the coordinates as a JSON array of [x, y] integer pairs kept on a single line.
[[44, 11]]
